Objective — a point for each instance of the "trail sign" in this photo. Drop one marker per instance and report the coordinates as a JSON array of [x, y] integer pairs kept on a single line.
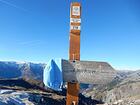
[[76, 10], [89, 72], [76, 71], [75, 18], [75, 28]]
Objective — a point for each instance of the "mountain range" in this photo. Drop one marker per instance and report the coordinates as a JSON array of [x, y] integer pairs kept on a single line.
[[27, 77]]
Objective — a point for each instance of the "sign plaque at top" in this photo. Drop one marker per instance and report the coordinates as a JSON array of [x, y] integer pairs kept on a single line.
[[76, 10], [75, 18]]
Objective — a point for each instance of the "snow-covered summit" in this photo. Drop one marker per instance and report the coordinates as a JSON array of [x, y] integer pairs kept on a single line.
[[9, 70]]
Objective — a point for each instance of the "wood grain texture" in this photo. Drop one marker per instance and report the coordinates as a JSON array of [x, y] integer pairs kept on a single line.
[[74, 54]]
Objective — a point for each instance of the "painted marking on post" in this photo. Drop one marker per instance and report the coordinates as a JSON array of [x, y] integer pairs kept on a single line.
[[75, 27], [75, 20]]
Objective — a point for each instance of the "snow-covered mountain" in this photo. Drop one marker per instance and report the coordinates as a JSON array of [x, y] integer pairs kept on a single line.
[[21, 70]]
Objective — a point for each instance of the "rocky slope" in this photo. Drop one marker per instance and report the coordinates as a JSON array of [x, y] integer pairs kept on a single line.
[[123, 90], [37, 97]]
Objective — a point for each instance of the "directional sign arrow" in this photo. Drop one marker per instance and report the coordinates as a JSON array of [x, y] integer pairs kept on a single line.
[[91, 72]]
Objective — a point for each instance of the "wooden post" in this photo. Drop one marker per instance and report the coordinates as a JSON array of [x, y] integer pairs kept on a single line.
[[74, 50]]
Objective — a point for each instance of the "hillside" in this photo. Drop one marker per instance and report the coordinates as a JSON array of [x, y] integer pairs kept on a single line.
[[123, 90]]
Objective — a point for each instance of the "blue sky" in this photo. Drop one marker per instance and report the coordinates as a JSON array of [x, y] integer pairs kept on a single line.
[[38, 30]]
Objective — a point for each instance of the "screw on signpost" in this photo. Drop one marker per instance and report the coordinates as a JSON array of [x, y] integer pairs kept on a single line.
[[73, 103]]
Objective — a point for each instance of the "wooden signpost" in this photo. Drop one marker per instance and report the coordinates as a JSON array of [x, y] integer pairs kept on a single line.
[[74, 50], [76, 71]]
